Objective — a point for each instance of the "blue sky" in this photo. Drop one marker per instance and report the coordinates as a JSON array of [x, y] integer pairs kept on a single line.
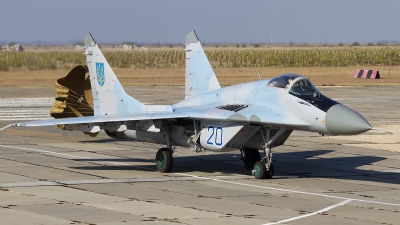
[[233, 21]]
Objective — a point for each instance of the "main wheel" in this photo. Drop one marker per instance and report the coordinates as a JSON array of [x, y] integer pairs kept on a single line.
[[164, 160], [259, 170], [270, 172], [251, 156]]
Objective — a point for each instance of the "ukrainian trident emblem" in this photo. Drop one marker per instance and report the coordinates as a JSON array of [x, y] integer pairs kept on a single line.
[[100, 73]]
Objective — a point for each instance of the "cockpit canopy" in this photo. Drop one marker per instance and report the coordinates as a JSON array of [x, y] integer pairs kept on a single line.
[[295, 83], [283, 81]]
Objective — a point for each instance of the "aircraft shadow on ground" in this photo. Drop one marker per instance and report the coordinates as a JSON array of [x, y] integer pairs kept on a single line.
[[314, 164], [296, 164], [105, 140], [114, 160]]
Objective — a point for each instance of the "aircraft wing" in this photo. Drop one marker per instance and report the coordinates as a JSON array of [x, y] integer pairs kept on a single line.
[[235, 113], [103, 119]]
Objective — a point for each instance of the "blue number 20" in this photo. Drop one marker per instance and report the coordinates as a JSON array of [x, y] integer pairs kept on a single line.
[[217, 137]]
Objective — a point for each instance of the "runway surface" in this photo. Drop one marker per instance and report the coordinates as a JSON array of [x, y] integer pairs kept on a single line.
[[49, 176]]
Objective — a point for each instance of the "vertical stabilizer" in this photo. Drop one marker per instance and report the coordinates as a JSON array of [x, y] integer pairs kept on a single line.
[[199, 75], [109, 97]]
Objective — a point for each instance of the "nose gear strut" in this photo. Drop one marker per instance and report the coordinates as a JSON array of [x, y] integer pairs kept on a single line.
[[264, 168]]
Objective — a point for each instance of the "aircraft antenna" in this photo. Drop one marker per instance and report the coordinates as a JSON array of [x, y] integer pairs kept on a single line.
[[258, 73], [382, 131]]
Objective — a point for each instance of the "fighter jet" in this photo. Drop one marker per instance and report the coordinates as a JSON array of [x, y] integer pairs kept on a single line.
[[246, 117]]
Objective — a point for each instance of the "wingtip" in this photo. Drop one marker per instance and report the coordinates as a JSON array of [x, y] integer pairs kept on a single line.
[[89, 41], [191, 37]]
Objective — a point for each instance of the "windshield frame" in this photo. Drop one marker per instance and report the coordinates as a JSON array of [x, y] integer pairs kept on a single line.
[[284, 81]]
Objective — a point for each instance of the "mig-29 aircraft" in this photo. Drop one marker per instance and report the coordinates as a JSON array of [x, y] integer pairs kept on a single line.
[[248, 117]]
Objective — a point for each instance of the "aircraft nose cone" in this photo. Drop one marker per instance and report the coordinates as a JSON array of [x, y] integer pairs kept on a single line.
[[341, 120]]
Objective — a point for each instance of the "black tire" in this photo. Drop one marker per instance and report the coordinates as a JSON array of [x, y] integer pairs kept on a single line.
[[259, 170], [251, 157], [164, 160], [270, 172]]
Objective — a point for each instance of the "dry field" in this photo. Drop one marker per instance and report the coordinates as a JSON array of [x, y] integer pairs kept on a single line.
[[324, 65], [320, 76], [108, 47]]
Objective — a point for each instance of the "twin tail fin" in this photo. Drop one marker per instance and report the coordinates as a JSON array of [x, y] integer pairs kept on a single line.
[[109, 97], [199, 75]]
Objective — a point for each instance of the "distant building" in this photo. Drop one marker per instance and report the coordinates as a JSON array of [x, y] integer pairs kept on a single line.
[[142, 48], [128, 45], [14, 47], [79, 46]]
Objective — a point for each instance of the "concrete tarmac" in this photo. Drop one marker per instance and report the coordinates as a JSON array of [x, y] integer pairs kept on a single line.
[[49, 176]]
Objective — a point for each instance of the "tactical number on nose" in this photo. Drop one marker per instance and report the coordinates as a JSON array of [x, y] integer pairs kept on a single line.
[[216, 135]]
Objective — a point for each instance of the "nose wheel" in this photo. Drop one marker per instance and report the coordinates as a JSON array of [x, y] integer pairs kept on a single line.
[[260, 171], [264, 169]]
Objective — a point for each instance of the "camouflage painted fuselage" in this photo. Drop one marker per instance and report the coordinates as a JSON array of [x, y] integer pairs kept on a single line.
[[210, 117]]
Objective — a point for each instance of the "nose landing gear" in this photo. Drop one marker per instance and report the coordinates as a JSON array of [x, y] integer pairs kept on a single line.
[[264, 169]]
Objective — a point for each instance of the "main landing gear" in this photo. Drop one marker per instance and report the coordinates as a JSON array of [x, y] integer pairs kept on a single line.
[[264, 169], [164, 159]]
